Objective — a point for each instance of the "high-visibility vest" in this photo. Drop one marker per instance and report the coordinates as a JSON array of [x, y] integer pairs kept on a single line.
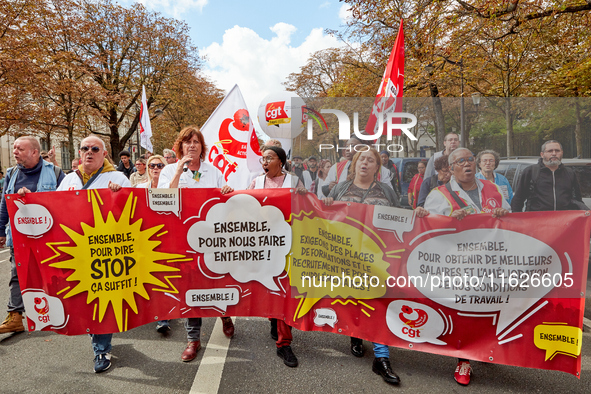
[[490, 197]]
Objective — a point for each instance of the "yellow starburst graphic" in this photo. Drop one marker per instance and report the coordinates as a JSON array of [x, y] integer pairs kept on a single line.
[[114, 260]]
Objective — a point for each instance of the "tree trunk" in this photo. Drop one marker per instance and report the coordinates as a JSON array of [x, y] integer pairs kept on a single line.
[[509, 121], [439, 120], [578, 133]]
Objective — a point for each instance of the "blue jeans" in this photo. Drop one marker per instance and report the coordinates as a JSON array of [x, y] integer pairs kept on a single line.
[[15, 299], [101, 343], [193, 327], [380, 350]]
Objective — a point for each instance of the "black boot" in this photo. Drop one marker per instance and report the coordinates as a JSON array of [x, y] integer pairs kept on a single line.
[[357, 347], [381, 366], [274, 329]]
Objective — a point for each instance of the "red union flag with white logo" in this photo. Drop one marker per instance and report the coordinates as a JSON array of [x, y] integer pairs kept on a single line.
[[389, 96], [232, 145]]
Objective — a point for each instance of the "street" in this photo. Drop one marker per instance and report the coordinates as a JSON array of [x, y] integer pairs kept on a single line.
[[148, 362]]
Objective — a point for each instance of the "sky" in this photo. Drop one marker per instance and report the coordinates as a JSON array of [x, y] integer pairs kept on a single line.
[[255, 44]]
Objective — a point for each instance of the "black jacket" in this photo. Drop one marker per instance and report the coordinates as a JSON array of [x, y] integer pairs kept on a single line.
[[552, 191], [126, 171]]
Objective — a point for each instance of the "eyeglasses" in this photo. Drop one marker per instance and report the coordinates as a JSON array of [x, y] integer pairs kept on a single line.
[[154, 165], [487, 161], [94, 149], [267, 159], [139, 164], [464, 160]]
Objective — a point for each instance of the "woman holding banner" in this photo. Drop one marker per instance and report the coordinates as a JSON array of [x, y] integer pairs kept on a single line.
[[362, 187], [273, 161], [192, 171], [154, 166], [320, 181]]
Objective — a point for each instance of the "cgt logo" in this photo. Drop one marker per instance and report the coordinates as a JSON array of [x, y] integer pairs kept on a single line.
[[275, 113], [413, 318], [45, 310]]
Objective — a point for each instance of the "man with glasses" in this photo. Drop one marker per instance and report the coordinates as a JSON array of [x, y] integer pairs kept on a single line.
[[169, 156], [451, 143], [465, 195], [548, 185], [31, 174], [97, 173]]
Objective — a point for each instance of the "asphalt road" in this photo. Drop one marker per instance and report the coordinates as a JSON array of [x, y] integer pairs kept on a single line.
[[147, 362]]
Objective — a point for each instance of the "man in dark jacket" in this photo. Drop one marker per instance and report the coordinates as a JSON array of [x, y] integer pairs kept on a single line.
[[125, 165], [548, 185]]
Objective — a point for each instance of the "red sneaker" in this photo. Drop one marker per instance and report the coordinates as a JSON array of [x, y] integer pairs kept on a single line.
[[463, 372]]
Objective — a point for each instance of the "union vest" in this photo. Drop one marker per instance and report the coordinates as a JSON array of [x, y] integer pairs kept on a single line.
[[490, 198]]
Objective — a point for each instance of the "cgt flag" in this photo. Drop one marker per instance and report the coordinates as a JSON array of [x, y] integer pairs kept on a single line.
[[231, 140], [389, 96], [145, 126]]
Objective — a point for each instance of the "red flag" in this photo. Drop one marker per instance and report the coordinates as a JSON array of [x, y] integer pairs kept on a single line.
[[389, 96]]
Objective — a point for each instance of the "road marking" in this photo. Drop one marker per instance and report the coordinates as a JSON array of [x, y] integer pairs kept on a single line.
[[209, 375]]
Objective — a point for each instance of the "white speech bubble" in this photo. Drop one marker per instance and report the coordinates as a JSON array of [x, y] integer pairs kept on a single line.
[[43, 310], [164, 200], [324, 316], [32, 219], [243, 239], [415, 322], [396, 220], [482, 261], [220, 298]]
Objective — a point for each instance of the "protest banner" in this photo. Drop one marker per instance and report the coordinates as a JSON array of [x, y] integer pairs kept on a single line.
[[496, 290]]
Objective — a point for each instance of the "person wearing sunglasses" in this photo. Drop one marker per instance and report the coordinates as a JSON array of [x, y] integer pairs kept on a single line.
[[155, 165], [191, 171], [96, 172], [465, 195]]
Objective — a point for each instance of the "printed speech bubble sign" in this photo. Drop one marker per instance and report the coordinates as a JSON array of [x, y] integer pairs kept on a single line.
[[393, 219], [32, 219], [324, 316], [335, 259], [43, 310], [415, 322], [164, 200], [244, 239], [220, 298], [482, 261], [555, 338]]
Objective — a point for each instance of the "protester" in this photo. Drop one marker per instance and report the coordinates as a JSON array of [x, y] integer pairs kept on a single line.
[[386, 162], [96, 172], [169, 156], [155, 164], [362, 187], [75, 164], [338, 172], [441, 177], [125, 166], [323, 169], [464, 195], [488, 161], [297, 167], [141, 175], [415, 185], [2, 181], [450, 143], [31, 174], [548, 185], [310, 175], [191, 171], [273, 160]]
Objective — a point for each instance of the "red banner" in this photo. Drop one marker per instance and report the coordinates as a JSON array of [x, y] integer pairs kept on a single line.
[[496, 290]]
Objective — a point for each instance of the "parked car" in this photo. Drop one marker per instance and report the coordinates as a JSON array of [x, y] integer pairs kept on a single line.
[[512, 168], [407, 169]]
